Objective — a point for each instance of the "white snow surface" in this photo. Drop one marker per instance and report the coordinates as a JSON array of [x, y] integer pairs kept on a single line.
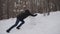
[[34, 25]]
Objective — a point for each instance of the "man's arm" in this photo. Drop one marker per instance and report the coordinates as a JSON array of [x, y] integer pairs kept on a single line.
[[33, 15]]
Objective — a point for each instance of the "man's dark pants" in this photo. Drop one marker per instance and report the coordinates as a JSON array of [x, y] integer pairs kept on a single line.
[[17, 21]]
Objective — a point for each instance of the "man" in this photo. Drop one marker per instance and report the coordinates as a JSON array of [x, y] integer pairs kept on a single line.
[[21, 18]]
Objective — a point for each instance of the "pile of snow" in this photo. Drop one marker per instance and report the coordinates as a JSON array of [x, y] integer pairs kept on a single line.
[[34, 25]]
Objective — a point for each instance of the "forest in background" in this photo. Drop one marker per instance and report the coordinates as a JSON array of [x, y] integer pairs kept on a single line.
[[11, 8]]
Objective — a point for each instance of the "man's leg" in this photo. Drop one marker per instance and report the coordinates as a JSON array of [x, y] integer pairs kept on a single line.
[[17, 21], [20, 24]]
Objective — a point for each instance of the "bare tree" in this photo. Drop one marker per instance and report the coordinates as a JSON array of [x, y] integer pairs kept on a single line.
[[1, 11]]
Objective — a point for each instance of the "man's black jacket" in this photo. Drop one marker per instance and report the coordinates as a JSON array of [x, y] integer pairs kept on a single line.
[[24, 15]]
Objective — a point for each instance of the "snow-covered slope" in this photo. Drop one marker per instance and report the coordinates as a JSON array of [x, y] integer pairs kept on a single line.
[[34, 25]]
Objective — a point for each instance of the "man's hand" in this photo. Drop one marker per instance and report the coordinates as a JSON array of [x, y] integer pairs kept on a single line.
[[34, 15]]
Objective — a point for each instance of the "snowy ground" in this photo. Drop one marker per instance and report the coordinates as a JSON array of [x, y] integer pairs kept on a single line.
[[34, 25]]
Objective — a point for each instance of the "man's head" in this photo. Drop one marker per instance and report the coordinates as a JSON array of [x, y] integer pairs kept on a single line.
[[27, 11]]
